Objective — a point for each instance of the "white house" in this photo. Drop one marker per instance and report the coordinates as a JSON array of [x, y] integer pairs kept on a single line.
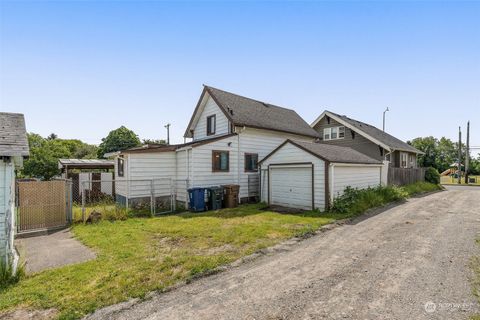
[[310, 175], [13, 149], [230, 134]]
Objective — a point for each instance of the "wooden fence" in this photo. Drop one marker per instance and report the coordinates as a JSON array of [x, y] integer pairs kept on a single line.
[[403, 176], [43, 204]]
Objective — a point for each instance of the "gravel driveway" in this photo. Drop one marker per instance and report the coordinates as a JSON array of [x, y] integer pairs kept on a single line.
[[398, 264]]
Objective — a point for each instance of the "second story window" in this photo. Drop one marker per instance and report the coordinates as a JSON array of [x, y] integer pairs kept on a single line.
[[333, 133], [211, 125]]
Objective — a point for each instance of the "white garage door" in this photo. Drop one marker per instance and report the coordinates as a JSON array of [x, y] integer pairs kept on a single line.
[[291, 186]]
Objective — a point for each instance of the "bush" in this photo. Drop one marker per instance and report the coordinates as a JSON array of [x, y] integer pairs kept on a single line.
[[7, 276], [432, 175], [356, 201]]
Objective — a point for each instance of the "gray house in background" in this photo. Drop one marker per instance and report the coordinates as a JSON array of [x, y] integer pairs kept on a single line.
[[13, 149], [343, 131]]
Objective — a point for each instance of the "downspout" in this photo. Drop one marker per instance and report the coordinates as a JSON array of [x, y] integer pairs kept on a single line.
[[332, 182], [238, 159]]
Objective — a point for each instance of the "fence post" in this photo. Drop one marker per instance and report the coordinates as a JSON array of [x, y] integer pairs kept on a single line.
[[152, 198], [83, 200]]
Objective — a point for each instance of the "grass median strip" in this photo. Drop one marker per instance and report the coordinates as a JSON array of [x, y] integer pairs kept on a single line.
[[140, 255]]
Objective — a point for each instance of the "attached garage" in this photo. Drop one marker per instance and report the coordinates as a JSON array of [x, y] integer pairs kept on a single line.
[[309, 176]]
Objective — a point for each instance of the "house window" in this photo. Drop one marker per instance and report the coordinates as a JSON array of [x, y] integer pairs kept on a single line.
[[220, 161], [333, 133], [403, 160], [341, 132], [326, 134], [211, 125], [120, 167], [251, 162]]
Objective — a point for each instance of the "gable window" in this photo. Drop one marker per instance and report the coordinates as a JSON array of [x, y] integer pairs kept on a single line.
[[220, 161], [333, 133], [326, 134], [211, 125], [251, 162], [120, 167]]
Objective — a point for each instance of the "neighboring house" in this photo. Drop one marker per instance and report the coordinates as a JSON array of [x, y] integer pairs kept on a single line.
[[13, 149], [310, 175], [343, 131], [230, 133]]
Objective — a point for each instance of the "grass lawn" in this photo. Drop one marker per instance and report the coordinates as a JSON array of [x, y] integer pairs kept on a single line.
[[451, 180], [140, 255]]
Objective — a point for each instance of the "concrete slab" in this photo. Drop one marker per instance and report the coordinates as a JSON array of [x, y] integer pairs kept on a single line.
[[52, 251]]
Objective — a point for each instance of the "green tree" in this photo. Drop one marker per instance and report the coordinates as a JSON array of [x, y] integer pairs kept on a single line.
[[117, 140], [44, 155], [154, 141], [429, 146], [45, 152], [447, 154]]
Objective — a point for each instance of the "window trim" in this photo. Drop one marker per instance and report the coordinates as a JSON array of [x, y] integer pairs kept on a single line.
[[329, 130], [120, 164], [245, 162], [211, 132], [401, 160], [213, 161]]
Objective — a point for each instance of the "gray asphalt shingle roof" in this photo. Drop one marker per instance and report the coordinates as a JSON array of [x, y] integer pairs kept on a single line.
[[13, 135], [335, 153], [378, 134], [244, 111]]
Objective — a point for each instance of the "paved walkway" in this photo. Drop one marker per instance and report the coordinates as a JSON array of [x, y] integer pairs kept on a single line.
[[52, 251]]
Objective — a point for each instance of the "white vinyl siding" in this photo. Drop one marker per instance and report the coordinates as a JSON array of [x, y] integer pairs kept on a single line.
[[7, 201], [221, 121], [354, 176], [202, 175], [292, 154], [141, 168], [261, 142]]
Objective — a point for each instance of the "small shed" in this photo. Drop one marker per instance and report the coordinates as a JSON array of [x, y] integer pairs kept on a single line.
[[13, 150], [308, 175], [95, 175]]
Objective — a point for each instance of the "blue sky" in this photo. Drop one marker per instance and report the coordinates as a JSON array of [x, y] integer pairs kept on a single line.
[[80, 69]]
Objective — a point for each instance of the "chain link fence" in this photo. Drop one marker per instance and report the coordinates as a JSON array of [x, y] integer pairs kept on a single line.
[[119, 199]]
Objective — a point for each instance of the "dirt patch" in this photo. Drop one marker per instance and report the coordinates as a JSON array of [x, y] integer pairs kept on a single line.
[[24, 314]]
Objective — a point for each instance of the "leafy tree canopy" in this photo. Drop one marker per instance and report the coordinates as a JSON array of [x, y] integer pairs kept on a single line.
[[117, 140], [45, 152]]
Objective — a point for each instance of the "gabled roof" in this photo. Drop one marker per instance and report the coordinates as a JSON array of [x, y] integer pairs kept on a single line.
[[13, 135], [243, 111], [370, 132], [330, 153]]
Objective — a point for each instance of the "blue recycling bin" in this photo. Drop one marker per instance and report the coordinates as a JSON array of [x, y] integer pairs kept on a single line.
[[196, 197]]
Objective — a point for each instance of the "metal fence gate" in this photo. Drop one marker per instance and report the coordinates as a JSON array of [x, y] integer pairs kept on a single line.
[[43, 204]]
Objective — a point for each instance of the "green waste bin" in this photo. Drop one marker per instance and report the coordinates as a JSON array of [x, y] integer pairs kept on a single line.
[[215, 197]]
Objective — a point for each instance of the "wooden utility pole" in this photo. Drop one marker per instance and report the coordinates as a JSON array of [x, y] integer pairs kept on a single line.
[[168, 133], [467, 153], [459, 155]]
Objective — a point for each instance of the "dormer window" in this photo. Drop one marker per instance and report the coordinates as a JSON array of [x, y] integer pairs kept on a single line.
[[333, 133], [211, 125]]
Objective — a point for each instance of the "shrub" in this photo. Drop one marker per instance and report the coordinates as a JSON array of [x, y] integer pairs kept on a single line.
[[356, 201], [7, 276], [432, 175]]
